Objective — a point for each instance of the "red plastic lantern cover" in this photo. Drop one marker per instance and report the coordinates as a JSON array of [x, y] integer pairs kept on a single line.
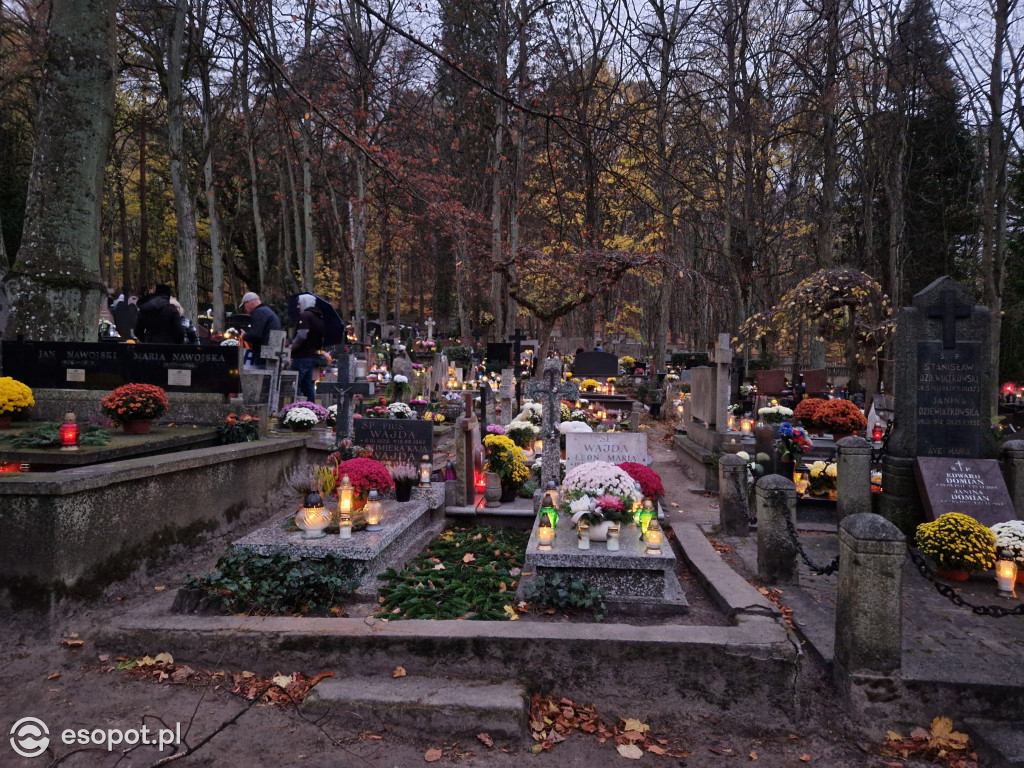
[[876, 433], [68, 430]]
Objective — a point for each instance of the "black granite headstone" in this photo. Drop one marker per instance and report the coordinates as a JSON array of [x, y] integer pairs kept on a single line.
[[402, 441], [973, 487], [595, 364], [948, 399], [499, 353]]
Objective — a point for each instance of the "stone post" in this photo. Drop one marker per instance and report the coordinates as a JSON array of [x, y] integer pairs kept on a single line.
[[507, 395], [776, 550], [723, 362], [1013, 473], [732, 495], [869, 620], [853, 481]]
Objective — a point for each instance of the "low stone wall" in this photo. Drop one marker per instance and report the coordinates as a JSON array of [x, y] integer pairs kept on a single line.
[[186, 407], [65, 530]]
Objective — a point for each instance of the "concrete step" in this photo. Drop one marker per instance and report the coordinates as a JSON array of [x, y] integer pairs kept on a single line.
[[999, 744], [417, 706]]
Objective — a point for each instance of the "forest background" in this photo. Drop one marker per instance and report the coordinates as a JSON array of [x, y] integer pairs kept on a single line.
[[658, 170]]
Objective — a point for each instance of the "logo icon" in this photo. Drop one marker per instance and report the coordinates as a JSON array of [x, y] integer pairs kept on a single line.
[[30, 737]]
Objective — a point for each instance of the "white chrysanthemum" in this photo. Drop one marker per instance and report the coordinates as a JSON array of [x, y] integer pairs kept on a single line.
[[566, 427], [300, 417], [597, 478], [401, 411]]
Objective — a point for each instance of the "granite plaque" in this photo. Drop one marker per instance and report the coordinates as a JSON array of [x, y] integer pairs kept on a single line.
[[949, 399], [973, 487], [612, 447], [395, 441], [595, 364], [82, 365]]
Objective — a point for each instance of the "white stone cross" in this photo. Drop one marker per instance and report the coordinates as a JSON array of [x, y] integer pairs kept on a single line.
[[430, 328]]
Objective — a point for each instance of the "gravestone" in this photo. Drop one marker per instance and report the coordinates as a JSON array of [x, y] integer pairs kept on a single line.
[[277, 353], [438, 374], [595, 365], [400, 441], [467, 440], [507, 396], [973, 487], [549, 392], [499, 353], [944, 393], [610, 447]]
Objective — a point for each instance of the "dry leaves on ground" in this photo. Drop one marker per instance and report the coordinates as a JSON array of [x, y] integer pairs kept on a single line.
[[940, 744], [552, 719], [775, 597]]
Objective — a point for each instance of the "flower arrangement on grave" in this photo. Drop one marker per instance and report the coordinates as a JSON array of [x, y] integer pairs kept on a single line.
[[434, 416], [522, 433], [349, 450], [564, 409], [377, 412], [134, 402], [454, 396], [599, 491], [531, 413], [822, 481], [398, 386], [1010, 541], [495, 429], [15, 397], [806, 411], [365, 475], [300, 418], [595, 510], [579, 414], [238, 429], [319, 411], [774, 414], [746, 390], [840, 417], [505, 458], [566, 427], [650, 481], [793, 442], [957, 541], [627, 364], [589, 385], [404, 476], [332, 415], [400, 411]]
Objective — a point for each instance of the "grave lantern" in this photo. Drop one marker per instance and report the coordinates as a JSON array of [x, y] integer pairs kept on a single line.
[[548, 511], [68, 433], [654, 538], [801, 481], [312, 517], [746, 426], [638, 501], [345, 494], [538, 446], [1006, 577], [372, 512], [647, 515], [426, 469], [545, 536], [345, 525], [613, 538], [876, 433], [731, 423], [583, 534], [552, 491]]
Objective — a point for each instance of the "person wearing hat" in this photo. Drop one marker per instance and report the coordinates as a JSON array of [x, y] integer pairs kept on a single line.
[[264, 320], [309, 336]]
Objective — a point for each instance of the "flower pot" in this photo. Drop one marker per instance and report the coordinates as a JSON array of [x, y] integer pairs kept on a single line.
[[599, 531], [952, 574], [5, 421], [403, 492], [492, 489], [508, 494], [837, 436], [764, 438], [137, 426], [786, 467]]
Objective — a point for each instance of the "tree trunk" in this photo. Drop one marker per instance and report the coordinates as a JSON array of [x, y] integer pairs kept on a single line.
[[143, 210], [183, 205], [357, 230], [254, 190], [55, 285]]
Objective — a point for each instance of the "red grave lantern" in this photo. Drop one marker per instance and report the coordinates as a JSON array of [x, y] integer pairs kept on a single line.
[[68, 433]]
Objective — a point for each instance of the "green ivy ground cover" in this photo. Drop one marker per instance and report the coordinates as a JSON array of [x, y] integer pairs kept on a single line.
[[469, 573]]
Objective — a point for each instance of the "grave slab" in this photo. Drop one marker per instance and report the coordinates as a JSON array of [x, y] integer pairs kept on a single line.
[[611, 447], [973, 487], [403, 441]]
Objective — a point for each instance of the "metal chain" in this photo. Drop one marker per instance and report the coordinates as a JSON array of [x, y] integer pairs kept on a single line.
[[741, 492], [995, 611], [819, 570]]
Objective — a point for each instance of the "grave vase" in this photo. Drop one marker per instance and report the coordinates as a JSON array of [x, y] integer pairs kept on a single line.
[[403, 491], [492, 489], [786, 467], [764, 437], [599, 531], [137, 426], [508, 494]]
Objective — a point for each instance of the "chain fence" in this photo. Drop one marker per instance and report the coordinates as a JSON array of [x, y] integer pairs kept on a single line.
[[995, 611]]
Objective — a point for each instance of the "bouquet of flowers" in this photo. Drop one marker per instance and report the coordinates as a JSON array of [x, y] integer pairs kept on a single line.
[[505, 458], [454, 396], [589, 385], [15, 397], [131, 402], [774, 414], [579, 415], [434, 416], [365, 475], [495, 429], [597, 478], [650, 481], [238, 429], [398, 386], [1010, 541], [522, 433], [822, 478], [746, 390], [793, 442], [566, 427], [403, 474], [597, 510], [807, 411], [840, 417], [531, 413], [400, 411], [300, 418], [319, 411], [377, 412], [956, 541], [349, 450]]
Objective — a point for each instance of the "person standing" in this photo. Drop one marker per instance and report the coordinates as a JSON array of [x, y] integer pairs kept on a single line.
[[309, 335], [159, 322], [264, 320], [191, 334]]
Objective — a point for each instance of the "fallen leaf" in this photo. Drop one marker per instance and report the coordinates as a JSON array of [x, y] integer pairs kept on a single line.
[[433, 755], [469, 557], [632, 724], [632, 735], [181, 674], [164, 658], [512, 615], [656, 749], [805, 758], [103, 657], [159, 589], [54, 676], [631, 751], [752, 755], [486, 740], [72, 643], [399, 672], [281, 680], [439, 567], [675, 505]]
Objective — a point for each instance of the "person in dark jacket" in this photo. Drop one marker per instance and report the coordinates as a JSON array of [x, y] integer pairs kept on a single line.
[[264, 320], [309, 335], [191, 334], [159, 322], [126, 317]]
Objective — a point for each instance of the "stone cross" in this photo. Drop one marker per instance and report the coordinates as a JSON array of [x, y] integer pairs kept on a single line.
[[517, 349], [507, 395], [949, 312], [343, 416], [723, 361], [549, 392], [430, 328], [277, 350], [486, 395]]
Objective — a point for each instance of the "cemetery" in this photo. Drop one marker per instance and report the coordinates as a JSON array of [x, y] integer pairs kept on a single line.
[[526, 496]]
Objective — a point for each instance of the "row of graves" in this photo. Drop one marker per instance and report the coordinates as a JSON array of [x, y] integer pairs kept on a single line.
[[928, 454]]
